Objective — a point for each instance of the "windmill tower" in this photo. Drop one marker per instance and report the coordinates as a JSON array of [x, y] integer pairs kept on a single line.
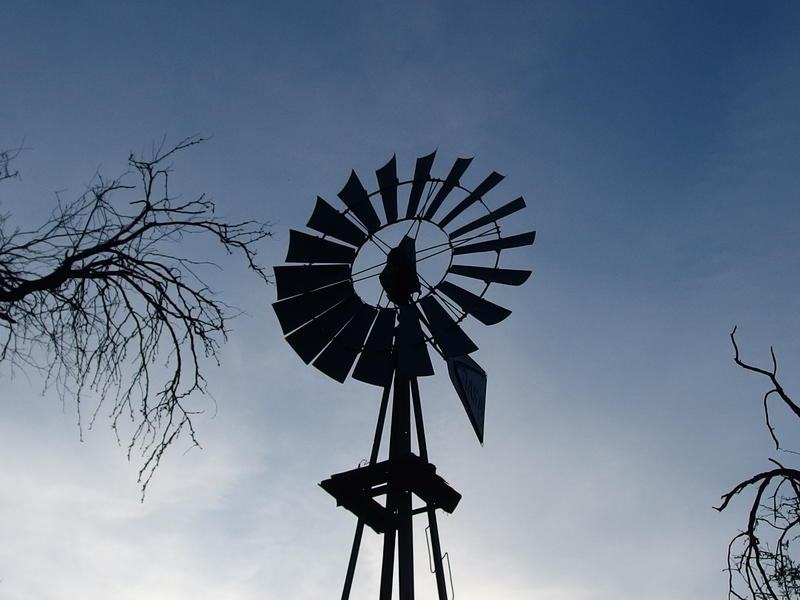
[[368, 298]]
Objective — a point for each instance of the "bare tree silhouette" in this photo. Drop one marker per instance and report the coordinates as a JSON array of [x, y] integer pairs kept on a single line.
[[102, 301], [760, 563]]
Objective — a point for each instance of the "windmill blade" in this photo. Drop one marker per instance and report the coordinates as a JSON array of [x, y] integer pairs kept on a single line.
[[326, 219], [375, 363], [487, 184], [311, 338], [299, 279], [387, 184], [356, 198], [486, 312], [450, 182], [422, 174], [298, 310], [491, 274], [305, 248], [491, 217], [338, 357], [514, 241], [412, 351], [450, 338]]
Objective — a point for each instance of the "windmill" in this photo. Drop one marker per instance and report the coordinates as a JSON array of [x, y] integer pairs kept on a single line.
[[368, 299]]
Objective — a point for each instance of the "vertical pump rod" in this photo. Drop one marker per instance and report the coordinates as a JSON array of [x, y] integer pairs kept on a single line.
[[399, 500]]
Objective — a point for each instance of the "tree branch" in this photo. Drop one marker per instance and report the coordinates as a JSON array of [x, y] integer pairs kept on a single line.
[[100, 300], [760, 557]]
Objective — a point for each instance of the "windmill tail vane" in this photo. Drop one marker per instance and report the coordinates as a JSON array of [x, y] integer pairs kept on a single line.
[[366, 299]]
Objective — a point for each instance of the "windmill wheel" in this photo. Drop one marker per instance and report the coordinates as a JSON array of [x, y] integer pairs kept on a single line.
[[375, 293]]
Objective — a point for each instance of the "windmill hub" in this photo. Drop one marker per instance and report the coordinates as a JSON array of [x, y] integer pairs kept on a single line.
[[386, 272], [399, 277]]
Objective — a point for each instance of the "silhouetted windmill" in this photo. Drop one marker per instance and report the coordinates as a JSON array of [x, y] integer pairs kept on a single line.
[[376, 294]]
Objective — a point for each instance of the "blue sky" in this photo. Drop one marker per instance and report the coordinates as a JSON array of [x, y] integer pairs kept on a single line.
[[656, 146]]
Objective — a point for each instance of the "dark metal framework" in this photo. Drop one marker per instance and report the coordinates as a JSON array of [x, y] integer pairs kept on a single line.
[[386, 344]]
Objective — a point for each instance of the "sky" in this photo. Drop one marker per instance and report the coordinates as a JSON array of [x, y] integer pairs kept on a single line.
[[656, 146]]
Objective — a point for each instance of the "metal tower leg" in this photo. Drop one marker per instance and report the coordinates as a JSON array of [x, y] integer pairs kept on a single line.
[[351, 566], [436, 547], [373, 457]]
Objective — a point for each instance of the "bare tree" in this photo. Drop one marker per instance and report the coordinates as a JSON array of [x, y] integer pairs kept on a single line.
[[760, 563], [104, 303]]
